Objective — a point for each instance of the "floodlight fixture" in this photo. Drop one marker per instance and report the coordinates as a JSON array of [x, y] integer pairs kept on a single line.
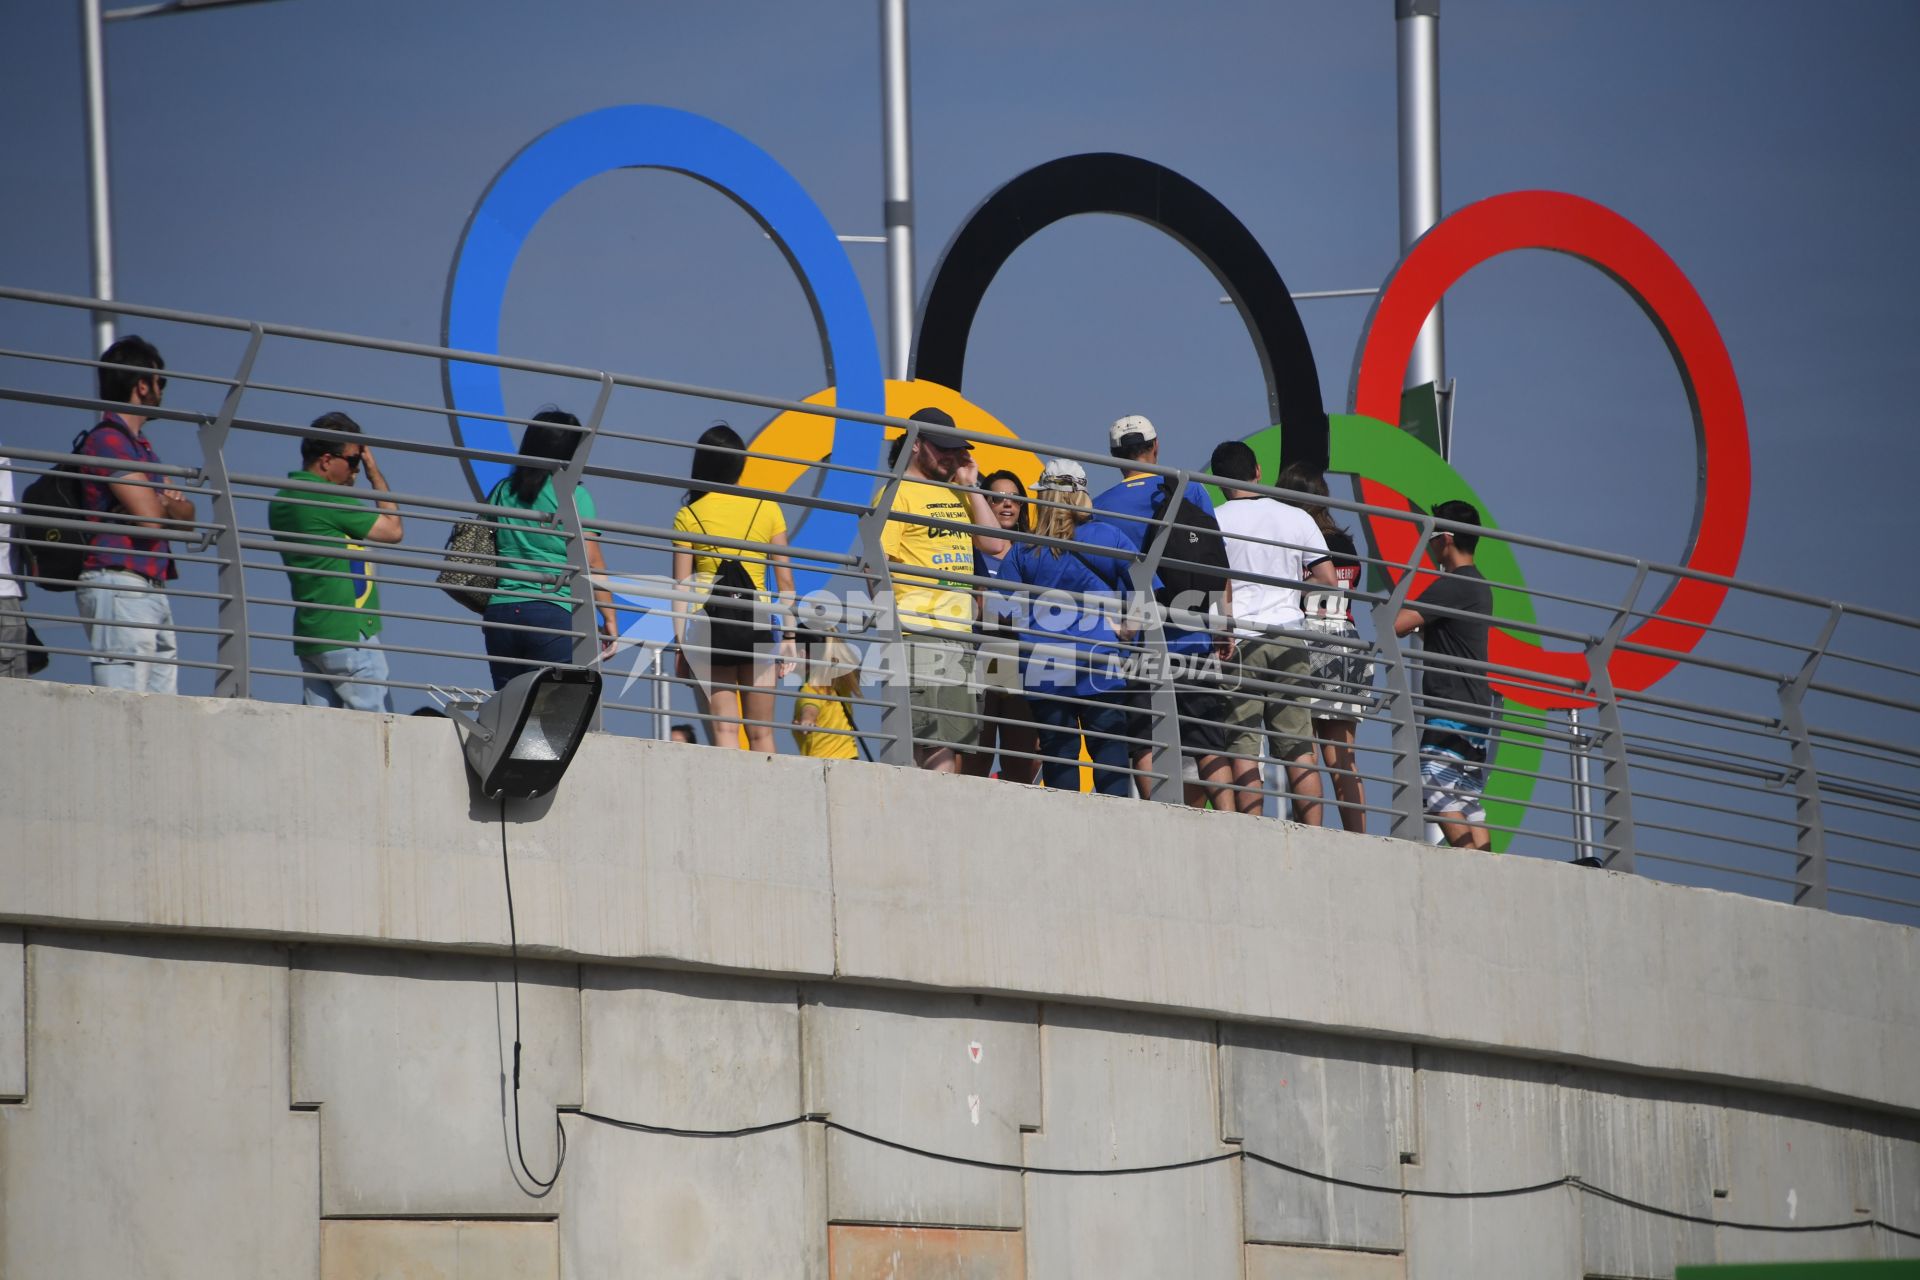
[[520, 741]]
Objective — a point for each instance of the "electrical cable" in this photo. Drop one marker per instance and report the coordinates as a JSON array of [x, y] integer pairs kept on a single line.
[[513, 946], [1572, 1180]]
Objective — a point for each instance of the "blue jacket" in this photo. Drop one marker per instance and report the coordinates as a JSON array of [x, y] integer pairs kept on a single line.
[[1068, 641], [1122, 513]]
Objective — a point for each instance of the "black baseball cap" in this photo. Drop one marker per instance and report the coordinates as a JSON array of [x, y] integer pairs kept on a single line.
[[941, 432]]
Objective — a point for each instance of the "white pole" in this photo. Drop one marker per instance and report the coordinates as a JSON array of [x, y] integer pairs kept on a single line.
[[898, 132], [1417, 31], [1582, 790], [99, 204]]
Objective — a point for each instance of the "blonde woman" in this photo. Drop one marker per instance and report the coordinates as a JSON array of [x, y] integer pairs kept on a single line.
[[1068, 639], [823, 709]]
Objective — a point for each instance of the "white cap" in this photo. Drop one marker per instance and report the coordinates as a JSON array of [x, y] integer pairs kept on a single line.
[[1131, 425], [1061, 475]]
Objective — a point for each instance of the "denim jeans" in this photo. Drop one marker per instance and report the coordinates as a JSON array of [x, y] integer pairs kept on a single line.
[[1061, 724], [361, 671], [130, 630], [548, 648]]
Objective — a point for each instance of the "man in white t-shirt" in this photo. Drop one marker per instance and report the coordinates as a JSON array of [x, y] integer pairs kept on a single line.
[[13, 622], [1276, 546]]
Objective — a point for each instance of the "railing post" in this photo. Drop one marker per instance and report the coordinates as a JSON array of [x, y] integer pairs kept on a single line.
[[1811, 845], [1616, 812], [566, 481], [233, 649], [1409, 814], [896, 698], [1164, 761], [586, 628]]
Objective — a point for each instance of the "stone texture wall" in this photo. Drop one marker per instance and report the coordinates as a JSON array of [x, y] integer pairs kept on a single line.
[[221, 1107]]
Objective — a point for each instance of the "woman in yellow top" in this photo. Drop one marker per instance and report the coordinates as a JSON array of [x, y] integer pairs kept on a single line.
[[822, 711], [727, 639]]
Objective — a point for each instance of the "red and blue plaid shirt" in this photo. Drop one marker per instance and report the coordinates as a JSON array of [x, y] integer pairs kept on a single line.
[[119, 550]]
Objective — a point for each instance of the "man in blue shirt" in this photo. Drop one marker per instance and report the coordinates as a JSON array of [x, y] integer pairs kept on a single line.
[[1128, 508]]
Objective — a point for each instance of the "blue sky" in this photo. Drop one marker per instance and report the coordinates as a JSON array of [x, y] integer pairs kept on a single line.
[[313, 162]]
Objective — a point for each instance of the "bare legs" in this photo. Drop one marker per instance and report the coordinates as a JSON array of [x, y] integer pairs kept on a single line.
[[1336, 751], [725, 701]]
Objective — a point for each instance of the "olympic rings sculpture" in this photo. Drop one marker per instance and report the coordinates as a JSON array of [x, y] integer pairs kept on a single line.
[[1394, 470]]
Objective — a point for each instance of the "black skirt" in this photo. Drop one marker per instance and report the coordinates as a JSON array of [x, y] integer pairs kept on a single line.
[[728, 631]]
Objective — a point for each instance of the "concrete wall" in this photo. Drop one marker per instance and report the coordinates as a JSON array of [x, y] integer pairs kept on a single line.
[[254, 1020]]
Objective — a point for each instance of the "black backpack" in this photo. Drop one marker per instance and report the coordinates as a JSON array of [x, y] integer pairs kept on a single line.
[[1195, 564], [731, 596], [60, 554]]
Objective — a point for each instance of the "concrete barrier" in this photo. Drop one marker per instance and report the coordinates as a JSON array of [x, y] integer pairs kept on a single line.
[[254, 1019], [271, 821]]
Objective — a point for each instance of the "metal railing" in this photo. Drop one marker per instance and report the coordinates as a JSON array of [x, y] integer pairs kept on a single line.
[[1780, 757]]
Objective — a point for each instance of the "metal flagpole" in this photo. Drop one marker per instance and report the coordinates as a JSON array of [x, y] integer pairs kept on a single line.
[[99, 201], [1417, 32], [99, 206], [899, 206]]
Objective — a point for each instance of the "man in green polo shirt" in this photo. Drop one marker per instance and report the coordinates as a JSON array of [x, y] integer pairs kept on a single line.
[[336, 616]]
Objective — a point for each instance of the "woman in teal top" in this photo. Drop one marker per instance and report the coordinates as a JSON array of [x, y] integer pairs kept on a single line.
[[544, 608]]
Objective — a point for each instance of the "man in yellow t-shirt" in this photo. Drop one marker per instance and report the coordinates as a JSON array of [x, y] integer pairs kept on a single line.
[[936, 611]]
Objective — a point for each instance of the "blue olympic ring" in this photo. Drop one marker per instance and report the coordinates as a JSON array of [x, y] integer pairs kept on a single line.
[[651, 137]]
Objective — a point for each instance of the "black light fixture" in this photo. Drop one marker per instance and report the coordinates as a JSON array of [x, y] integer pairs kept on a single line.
[[520, 741]]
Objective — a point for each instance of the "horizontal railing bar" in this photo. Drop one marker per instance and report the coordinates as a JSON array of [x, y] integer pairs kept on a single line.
[[1852, 805], [1860, 740], [1718, 836], [1861, 695], [16, 454], [1884, 792], [1752, 727], [332, 678], [1780, 776], [1636, 699], [1828, 746], [1653, 797], [1831, 656], [1775, 791], [407, 560], [1694, 659], [1768, 762], [1879, 840], [1834, 890], [66, 652], [466, 506], [1835, 860], [1719, 866]]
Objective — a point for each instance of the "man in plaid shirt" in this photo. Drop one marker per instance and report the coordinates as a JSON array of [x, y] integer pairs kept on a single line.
[[122, 589]]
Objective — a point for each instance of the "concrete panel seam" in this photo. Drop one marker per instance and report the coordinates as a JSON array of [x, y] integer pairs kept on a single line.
[[16, 1016]]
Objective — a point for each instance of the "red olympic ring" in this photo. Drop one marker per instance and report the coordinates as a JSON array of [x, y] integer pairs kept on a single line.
[[1596, 235]]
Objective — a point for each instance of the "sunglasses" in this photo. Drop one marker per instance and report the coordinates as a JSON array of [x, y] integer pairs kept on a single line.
[[351, 459]]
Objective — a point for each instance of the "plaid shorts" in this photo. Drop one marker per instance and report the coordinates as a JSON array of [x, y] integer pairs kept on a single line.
[[1451, 788]]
